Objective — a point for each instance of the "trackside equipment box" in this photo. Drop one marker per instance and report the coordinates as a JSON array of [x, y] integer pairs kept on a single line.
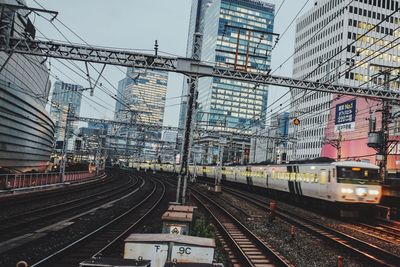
[[173, 264], [163, 248], [177, 219], [110, 262]]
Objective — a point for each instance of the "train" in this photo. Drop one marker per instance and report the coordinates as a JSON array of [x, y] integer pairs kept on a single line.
[[348, 183]]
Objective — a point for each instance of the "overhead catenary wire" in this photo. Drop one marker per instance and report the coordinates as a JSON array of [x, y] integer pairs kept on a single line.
[[303, 45], [109, 92], [79, 37]]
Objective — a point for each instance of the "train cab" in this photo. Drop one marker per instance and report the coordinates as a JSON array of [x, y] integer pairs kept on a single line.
[[357, 182]]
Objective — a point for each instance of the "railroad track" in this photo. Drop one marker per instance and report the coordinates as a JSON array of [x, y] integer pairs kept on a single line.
[[106, 238], [26, 222], [391, 225], [381, 232], [246, 249], [370, 253]]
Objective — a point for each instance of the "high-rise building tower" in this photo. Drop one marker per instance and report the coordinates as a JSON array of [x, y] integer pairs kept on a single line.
[[337, 41], [235, 34], [141, 99], [271, 150], [196, 24], [63, 94]]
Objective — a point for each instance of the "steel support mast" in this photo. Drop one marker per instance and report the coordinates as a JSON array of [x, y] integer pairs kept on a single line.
[[188, 131], [64, 148]]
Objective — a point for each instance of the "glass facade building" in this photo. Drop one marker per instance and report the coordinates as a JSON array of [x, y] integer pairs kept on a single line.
[[237, 35], [141, 99], [63, 94]]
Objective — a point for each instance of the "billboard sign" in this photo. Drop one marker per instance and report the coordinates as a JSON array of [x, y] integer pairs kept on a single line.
[[345, 116]]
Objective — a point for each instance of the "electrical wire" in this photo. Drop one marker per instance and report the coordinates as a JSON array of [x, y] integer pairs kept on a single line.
[[361, 36]]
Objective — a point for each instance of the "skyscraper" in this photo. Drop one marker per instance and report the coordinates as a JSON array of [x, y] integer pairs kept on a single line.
[[63, 94], [196, 25], [271, 150], [141, 99], [337, 41], [235, 34]]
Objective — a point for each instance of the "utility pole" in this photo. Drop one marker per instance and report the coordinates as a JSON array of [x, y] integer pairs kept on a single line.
[[380, 140], [267, 147], [339, 146], [218, 178], [65, 145], [98, 150], [337, 143], [255, 147], [191, 106], [128, 138], [385, 129], [242, 158]]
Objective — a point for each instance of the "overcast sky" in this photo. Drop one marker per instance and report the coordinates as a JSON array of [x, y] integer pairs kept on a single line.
[[135, 24]]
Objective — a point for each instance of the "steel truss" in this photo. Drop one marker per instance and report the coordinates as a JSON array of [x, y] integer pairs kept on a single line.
[[155, 127], [190, 67]]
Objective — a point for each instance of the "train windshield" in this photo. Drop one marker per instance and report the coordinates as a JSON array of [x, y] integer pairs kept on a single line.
[[356, 175]]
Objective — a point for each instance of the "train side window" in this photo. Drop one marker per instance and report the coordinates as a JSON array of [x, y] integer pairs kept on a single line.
[[323, 177], [329, 176]]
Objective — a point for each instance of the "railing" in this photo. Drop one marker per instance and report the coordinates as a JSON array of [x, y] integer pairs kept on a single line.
[[25, 180]]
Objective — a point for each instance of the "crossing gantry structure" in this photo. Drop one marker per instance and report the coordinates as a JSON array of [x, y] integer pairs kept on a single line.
[[13, 43]]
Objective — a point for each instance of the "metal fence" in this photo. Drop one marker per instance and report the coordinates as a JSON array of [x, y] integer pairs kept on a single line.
[[25, 180]]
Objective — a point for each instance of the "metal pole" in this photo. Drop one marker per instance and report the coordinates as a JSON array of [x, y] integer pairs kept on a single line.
[[339, 146], [65, 145], [218, 177], [255, 147], [242, 159], [187, 137], [191, 107], [194, 167], [128, 135], [385, 131], [267, 148]]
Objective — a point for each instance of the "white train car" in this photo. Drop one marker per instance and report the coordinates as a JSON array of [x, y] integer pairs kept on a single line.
[[345, 182]]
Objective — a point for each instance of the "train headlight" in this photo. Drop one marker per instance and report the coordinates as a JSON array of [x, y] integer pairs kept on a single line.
[[361, 191], [347, 190], [373, 192]]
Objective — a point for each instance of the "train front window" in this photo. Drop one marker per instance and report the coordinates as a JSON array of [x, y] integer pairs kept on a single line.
[[356, 175]]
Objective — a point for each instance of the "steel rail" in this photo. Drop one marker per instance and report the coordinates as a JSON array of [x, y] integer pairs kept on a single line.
[[239, 236], [15, 225], [371, 253], [78, 250]]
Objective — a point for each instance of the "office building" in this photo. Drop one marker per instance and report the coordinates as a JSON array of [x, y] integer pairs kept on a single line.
[[337, 42], [238, 35], [141, 100], [64, 94], [272, 149]]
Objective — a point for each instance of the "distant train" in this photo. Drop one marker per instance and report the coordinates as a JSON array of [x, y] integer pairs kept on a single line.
[[341, 182]]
